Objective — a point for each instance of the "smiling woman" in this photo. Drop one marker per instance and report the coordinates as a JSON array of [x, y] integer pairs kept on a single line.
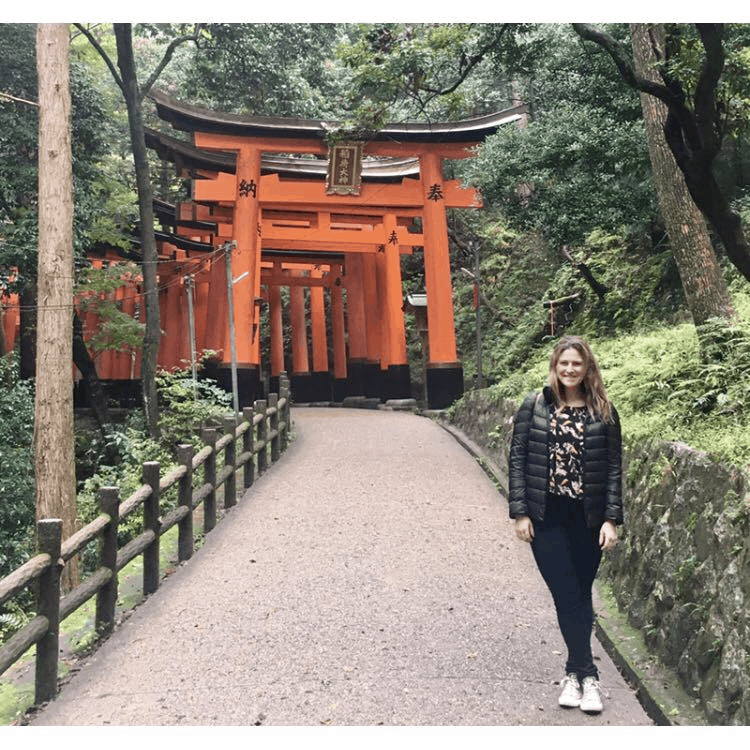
[[565, 481], [570, 371]]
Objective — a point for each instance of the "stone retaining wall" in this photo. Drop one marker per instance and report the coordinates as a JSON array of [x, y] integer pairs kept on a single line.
[[681, 571]]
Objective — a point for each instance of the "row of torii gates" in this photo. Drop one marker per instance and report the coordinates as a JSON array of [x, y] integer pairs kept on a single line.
[[293, 219]]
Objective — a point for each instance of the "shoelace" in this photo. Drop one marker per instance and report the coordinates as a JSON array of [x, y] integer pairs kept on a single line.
[[598, 684]]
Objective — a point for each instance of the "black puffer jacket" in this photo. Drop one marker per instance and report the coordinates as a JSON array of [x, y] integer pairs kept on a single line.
[[529, 463]]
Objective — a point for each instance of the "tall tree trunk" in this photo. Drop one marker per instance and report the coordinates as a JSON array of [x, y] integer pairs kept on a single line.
[[53, 409], [126, 63], [702, 278]]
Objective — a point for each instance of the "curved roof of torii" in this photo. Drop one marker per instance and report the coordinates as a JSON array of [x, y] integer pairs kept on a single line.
[[191, 119], [187, 156]]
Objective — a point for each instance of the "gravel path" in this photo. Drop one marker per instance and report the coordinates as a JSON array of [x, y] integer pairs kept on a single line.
[[370, 577]]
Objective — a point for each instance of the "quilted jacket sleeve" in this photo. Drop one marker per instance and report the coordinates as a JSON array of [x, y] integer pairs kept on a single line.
[[519, 450], [613, 508]]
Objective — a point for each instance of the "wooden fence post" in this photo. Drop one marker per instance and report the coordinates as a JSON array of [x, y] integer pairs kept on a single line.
[[210, 436], [273, 405], [151, 522], [230, 484], [106, 597], [185, 533], [248, 444], [49, 541], [260, 408]]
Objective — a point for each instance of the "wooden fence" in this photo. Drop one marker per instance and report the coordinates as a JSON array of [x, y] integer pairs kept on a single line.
[[262, 434]]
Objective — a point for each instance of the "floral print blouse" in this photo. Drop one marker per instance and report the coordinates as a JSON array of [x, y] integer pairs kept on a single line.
[[566, 451]]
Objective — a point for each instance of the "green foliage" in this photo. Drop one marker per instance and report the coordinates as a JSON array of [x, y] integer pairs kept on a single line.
[[266, 69], [664, 389], [581, 162], [687, 56], [519, 273], [425, 71], [16, 474], [116, 330], [568, 172], [18, 153], [186, 405], [115, 457]]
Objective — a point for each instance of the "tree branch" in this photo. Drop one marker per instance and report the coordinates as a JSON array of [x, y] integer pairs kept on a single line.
[[585, 271], [98, 47], [711, 35], [173, 45], [681, 130], [469, 64], [619, 56]]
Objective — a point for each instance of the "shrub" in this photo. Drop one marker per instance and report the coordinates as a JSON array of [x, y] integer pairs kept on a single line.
[[16, 474], [115, 458]]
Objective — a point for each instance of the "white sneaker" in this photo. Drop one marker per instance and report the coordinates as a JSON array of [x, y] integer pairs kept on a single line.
[[571, 691], [591, 702]]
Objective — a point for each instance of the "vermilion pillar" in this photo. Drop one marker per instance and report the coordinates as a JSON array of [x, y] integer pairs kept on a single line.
[[170, 342], [444, 371], [374, 314], [321, 377], [214, 321], [397, 380], [246, 260], [300, 377], [276, 331], [338, 332], [11, 319], [126, 301], [356, 324], [201, 288]]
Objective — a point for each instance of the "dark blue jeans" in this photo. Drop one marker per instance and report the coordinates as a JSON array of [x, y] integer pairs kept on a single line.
[[567, 553]]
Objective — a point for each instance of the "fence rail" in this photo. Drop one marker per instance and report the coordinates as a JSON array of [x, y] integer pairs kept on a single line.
[[262, 432]]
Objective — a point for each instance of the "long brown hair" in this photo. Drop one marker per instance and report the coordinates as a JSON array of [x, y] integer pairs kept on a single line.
[[594, 392]]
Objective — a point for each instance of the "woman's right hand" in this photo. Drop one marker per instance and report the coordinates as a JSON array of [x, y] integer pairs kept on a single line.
[[524, 528]]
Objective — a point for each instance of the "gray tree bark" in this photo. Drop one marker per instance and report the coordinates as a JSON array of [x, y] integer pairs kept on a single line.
[[53, 420]]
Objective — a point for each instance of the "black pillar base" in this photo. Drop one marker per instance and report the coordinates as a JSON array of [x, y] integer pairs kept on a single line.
[[445, 385], [311, 387], [340, 389], [364, 378], [123, 394], [372, 381], [249, 385], [395, 382], [321, 386], [299, 385]]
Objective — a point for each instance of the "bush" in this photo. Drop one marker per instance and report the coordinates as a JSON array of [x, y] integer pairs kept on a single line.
[[186, 405], [16, 474], [115, 458]]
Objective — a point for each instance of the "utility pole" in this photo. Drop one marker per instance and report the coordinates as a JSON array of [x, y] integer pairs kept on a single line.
[[228, 247]]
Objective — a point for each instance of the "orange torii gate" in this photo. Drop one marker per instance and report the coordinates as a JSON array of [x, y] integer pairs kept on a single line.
[[291, 231]]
